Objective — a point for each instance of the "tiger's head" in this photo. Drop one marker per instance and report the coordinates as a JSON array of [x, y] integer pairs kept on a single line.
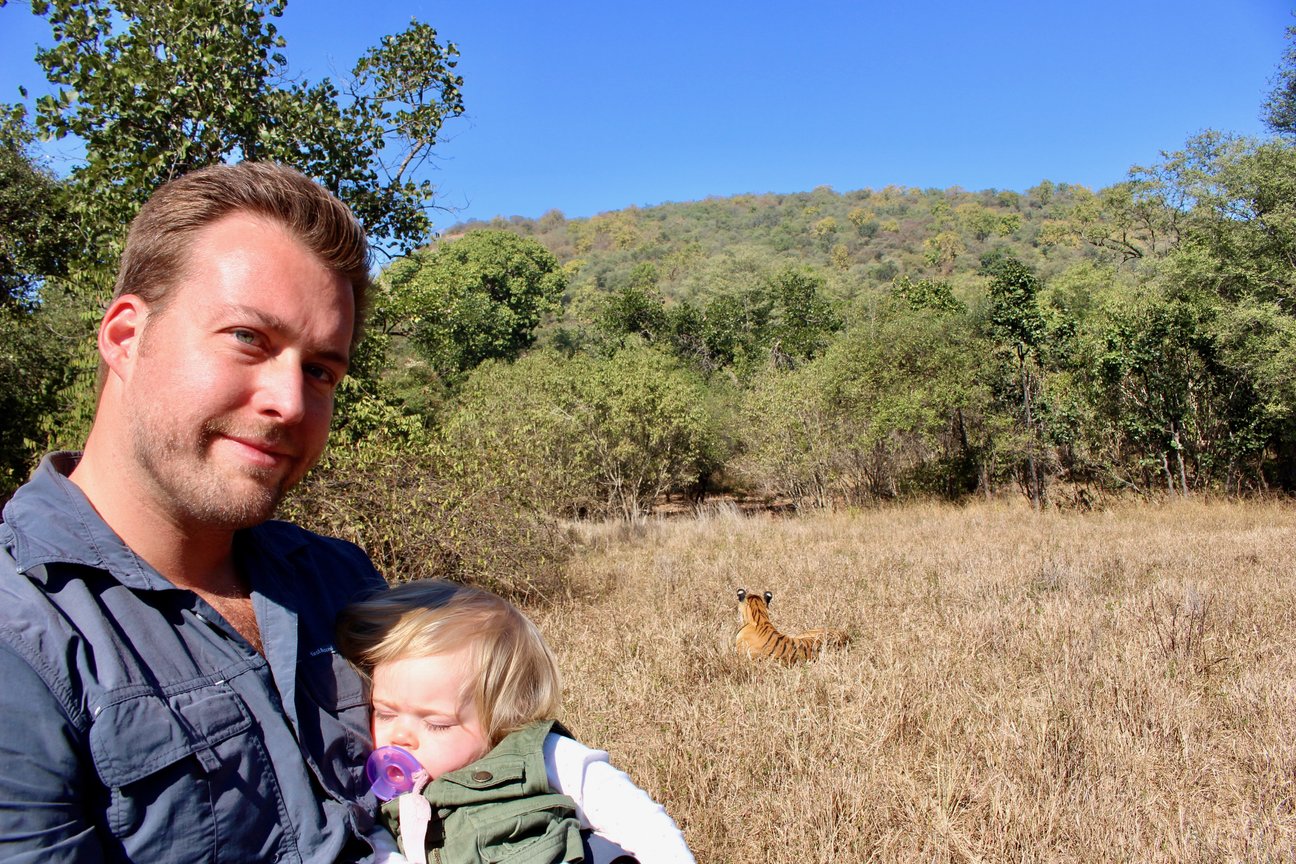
[[753, 607]]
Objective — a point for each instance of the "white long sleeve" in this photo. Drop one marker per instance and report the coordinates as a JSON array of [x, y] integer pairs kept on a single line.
[[384, 845], [611, 804]]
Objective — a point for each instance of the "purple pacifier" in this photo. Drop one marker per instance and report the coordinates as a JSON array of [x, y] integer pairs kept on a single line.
[[391, 770]]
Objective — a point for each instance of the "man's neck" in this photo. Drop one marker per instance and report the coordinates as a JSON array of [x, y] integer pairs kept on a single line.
[[199, 558]]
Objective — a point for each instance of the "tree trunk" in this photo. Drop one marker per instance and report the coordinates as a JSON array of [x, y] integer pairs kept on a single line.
[[1033, 479], [1178, 448]]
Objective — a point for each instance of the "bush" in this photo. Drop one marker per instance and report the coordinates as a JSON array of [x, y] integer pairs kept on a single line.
[[893, 407], [405, 503], [587, 436]]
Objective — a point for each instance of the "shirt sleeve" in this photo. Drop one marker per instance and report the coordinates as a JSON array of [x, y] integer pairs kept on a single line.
[[42, 763], [611, 804]]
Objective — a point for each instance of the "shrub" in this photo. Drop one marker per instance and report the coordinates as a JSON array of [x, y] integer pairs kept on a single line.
[[587, 435], [418, 517]]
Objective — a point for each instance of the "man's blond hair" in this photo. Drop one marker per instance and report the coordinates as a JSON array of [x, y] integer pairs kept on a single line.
[[514, 677]]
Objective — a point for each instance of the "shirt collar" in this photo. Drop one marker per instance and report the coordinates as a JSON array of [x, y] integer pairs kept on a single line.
[[51, 520]]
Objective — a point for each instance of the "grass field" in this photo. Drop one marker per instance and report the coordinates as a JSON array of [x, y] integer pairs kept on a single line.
[[1111, 686]]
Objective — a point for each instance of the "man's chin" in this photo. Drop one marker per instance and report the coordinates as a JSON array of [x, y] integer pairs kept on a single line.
[[234, 518], [237, 506]]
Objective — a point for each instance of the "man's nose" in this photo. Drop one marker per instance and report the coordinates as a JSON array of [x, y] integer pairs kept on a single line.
[[281, 390]]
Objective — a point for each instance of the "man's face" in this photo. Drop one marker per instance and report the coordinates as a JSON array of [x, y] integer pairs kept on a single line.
[[231, 395]]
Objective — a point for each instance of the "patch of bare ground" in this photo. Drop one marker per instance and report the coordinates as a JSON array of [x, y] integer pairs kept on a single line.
[[1113, 686]]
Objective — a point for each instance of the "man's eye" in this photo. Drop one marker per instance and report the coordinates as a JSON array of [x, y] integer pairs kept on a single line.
[[321, 373], [247, 337]]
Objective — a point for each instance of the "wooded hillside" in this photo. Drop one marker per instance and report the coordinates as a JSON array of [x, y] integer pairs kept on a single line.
[[874, 344], [860, 239]]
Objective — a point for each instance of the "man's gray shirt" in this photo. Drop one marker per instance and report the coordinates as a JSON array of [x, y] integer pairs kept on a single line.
[[137, 725]]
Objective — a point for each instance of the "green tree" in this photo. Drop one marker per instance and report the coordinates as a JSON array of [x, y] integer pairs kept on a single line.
[[1256, 344], [153, 90], [736, 326], [475, 298], [803, 320], [979, 221], [647, 421], [1235, 202], [511, 425], [36, 362], [927, 294], [1279, 111], [686, 324], [36, 359], [589, 435], [1162, 373], [910, 401], [1182, 371], [635, 309], [1135, 219], [1018, 326], [787, 443], [943, 250], [894, 405], [35, 241]]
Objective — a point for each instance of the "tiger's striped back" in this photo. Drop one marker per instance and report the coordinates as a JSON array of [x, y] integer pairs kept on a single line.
[[758, 636]]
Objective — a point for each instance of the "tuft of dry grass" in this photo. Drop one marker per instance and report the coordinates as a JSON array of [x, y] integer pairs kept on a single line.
[[1111, 686]]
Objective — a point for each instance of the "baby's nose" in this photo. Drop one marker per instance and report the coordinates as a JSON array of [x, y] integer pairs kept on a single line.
[[402, 733]]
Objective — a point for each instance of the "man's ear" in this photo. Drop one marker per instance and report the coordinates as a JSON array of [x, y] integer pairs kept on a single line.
[[120, 331]]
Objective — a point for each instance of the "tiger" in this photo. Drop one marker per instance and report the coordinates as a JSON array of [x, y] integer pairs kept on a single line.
[[759, 638]]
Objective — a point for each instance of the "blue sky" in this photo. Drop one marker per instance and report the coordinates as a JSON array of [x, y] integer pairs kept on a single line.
[[588, 107]]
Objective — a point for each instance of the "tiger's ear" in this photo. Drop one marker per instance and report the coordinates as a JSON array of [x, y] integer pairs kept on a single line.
[[742, 595], [768, 597]]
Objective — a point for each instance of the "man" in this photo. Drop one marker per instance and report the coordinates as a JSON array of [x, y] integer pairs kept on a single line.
[[169, 690]]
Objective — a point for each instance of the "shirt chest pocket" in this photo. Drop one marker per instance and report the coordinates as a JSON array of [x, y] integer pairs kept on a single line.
[[333, 720], [158, 756]]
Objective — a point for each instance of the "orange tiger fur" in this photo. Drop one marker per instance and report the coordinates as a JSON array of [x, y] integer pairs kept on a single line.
[[760, 638]]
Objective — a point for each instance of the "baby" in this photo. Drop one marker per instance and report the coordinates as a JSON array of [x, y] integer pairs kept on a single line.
[[465, 683]]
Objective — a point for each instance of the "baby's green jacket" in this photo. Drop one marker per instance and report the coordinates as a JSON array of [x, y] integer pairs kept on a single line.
[[498, 809]]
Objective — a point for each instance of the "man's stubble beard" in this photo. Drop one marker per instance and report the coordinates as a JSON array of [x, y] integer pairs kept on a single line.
[[187, 481]]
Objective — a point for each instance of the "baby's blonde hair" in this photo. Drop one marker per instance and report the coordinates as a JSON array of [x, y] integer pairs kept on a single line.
[[514, 679]]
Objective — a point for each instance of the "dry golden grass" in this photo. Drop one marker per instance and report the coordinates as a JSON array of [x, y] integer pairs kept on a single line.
[[1117, 686]]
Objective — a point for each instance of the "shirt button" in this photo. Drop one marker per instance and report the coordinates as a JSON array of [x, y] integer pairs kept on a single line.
[[482, 776]]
